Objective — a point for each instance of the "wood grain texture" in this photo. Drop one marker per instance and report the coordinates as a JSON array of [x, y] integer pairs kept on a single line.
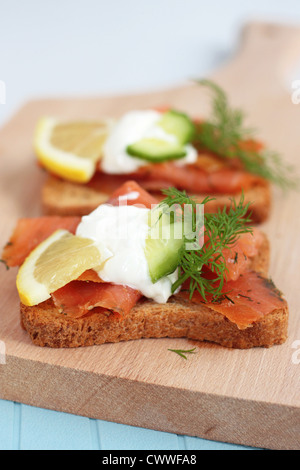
[[248, 397]]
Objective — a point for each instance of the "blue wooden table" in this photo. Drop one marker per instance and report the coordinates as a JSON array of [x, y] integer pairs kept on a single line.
[[27, 428]]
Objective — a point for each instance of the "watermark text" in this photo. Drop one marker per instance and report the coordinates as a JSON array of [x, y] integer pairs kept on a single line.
[[2, 92], [296, 92], [2, 353], [162, 222], [296, 354]]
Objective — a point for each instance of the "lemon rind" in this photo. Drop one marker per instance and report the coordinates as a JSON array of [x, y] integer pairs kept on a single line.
[[32, 292], [64, 164]]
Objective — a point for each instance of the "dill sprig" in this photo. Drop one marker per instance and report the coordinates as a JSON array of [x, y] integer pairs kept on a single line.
[[221, 231], [225, 133], [183, 352]]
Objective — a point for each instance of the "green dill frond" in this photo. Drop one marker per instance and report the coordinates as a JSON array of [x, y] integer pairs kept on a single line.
[[224, 134], [183, 352], [222, 230]]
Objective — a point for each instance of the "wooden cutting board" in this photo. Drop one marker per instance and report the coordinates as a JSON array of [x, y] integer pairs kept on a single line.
[[248, 397]]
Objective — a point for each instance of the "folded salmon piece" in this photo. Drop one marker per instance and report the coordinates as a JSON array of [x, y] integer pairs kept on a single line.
[[238, 256], [192, 178], [77, 298], [195, 180], [89, 276], [245, 300], [131, 193]]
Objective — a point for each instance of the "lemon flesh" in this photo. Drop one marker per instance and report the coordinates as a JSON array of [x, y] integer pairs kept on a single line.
[[71, 149], [58, 260]]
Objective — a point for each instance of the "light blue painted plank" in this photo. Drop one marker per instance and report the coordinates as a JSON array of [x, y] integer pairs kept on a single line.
[[45, 429], [16, 426], [195, 443], [6, 424], [95, 438], [181, 442], [115, 436], [29, 428]]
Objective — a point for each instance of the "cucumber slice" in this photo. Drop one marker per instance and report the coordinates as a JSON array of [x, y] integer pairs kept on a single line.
[[156, 150], [162, 257], [162, 247], [178, 124]]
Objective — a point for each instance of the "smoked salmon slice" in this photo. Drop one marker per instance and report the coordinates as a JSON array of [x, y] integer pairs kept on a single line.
[[131, 193], [238, 256], [193, 179], [77, 298], [245, 300], [30, 232], [89, 275]]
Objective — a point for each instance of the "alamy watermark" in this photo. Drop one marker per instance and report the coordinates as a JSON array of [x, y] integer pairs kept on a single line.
[[296, 92], [2, 353], [2, 92], [296, 354], [166, 222]]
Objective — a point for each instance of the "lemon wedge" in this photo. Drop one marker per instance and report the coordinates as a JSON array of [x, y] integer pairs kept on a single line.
[[71, 149], [59, 259]]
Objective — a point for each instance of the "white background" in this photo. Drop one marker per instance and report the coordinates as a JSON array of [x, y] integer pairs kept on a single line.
[[69, 47]]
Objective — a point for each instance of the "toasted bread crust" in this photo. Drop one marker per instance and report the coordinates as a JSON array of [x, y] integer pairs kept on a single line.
[[61, 197], [65, 198], [178, 318]]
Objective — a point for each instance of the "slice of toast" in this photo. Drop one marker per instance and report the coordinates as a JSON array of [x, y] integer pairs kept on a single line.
[[61, 197], [177, 318]]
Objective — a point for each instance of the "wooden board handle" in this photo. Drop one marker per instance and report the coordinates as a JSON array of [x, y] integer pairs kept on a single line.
[[267, 54], [277, 45]]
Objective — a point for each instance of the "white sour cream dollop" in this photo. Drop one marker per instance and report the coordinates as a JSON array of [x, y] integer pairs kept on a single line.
[[123, 231], [132, 127]]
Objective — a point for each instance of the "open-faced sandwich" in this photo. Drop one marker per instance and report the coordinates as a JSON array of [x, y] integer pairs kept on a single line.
[[135, 268], [88, 161]]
